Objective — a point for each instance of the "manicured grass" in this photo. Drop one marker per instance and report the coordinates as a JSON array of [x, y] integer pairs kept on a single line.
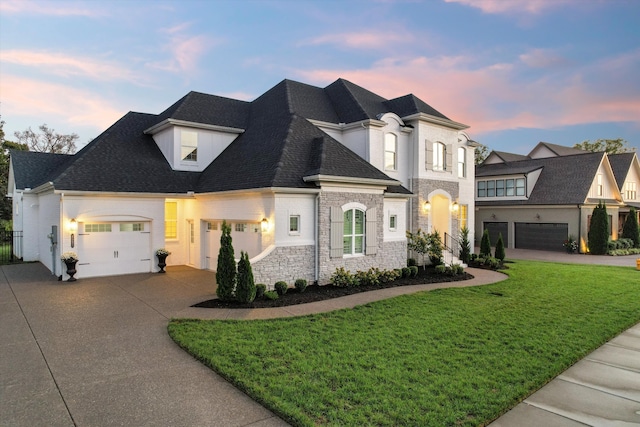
[[447, 357]]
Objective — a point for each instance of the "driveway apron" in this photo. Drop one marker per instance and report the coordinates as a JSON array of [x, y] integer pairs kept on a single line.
[[96, 353]]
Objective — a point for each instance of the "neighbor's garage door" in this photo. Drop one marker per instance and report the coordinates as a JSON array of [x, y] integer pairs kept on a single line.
[[495, 229], [541, 236], [113, 248]]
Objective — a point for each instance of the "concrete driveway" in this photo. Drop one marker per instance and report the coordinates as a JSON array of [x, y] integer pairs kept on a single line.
[[96, 353]]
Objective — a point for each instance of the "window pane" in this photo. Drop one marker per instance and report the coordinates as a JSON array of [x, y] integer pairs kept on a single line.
[[171, 220], [462, 162], [348, 223], [510, 183], [392, 222], [491, 188], [358, 247], [438, 156], [359, 229], [390, 151], [294, 223], [500, 187], [482, 188], [189, 145], [520, 187], [347, 245], [131, 227]]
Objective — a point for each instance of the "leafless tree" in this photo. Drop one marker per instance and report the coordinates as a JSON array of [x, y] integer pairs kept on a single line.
[[48, 141]]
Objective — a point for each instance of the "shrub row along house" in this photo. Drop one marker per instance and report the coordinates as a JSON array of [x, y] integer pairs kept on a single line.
[[310, 179], [537, 201]]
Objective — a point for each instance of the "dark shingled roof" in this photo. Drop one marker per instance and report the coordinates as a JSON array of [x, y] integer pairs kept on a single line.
[[551, 187], [278, 148], [560, 150], [621, 164], [32, 169]]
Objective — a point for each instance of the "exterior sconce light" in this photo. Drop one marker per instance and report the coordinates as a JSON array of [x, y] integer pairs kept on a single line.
[[427, 206], [265, 225], [493, 216], [455, 207], [73, 227], [538, 216]]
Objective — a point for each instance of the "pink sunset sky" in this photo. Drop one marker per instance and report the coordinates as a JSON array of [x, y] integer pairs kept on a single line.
[[517, 71]]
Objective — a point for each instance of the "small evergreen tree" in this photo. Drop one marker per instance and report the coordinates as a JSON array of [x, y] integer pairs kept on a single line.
[[465, 245], [226, 272], [630, 229], [599, 230], [499, 254], [435, 248], [485, 244], [245, 287]]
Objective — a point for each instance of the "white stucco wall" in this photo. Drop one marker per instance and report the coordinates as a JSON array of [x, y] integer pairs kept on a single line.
[[302, 205], [397, 207]]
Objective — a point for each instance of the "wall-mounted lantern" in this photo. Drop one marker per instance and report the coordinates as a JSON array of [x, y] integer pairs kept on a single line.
[[73, 227], [427, 206], [265, 225], [455, 207]]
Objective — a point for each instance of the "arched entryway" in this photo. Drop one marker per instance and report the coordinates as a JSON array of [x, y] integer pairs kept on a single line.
[[440, 215]]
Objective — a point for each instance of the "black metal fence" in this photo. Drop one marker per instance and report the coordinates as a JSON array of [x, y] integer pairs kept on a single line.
[[10, 246]]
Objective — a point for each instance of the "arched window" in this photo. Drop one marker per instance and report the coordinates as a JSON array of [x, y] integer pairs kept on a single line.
[[353, 232], [390, 152], [439, 156], [462, 162]]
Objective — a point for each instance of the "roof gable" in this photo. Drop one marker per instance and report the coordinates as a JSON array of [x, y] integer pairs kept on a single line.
[[32, 169], [622, 165], [546, 149]]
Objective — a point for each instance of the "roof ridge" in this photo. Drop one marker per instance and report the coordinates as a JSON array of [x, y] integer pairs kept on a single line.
[[353, 97]]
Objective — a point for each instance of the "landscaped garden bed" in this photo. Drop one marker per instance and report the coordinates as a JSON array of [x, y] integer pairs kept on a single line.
[[315, 293]]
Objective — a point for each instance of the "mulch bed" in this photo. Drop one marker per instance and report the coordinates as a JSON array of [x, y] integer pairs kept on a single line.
[[315, 293]]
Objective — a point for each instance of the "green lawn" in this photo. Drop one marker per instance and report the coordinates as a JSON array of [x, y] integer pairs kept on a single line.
[[447, 357]]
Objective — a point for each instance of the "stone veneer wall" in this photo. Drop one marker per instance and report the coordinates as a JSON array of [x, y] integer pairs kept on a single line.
[[286, 263], [422, 188], [384, 258]]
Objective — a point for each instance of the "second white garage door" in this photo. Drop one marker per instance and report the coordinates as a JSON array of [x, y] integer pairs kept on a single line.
[[110, 248]]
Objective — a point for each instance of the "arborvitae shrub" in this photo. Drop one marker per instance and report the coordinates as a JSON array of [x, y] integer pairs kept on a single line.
[[499, 254], [465, 245], [245, 286], [599, 230], [226, 272], [630, 229], [485, 244]]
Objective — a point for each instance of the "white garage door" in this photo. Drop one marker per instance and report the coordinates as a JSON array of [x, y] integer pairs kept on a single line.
[[110, 248]]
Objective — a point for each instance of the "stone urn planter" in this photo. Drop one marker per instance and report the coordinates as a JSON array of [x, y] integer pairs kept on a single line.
[[70, 259], [162, 255]]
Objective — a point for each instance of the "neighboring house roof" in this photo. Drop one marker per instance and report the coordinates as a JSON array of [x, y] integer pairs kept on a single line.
[[621, 164], [506, 157], [558, 150], [563, 180], [278, 148]]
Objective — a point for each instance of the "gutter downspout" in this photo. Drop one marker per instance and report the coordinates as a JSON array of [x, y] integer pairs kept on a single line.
[[317, 234]]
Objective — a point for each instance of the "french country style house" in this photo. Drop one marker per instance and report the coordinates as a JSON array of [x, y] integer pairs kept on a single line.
[[539, 200], [310, 179]]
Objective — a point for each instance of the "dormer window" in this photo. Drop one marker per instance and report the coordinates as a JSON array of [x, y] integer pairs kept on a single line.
[[189, 145]]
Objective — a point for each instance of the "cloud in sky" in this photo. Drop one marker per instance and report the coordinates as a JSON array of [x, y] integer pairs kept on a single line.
[[70, 66], [186, 50], [57, 102], [493, 97], [49, 8], [362, 40], [512, 6]]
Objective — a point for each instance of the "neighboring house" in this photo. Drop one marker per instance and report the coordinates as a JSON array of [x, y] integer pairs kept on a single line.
[[539, 200], [626, 169], [310, 179]]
